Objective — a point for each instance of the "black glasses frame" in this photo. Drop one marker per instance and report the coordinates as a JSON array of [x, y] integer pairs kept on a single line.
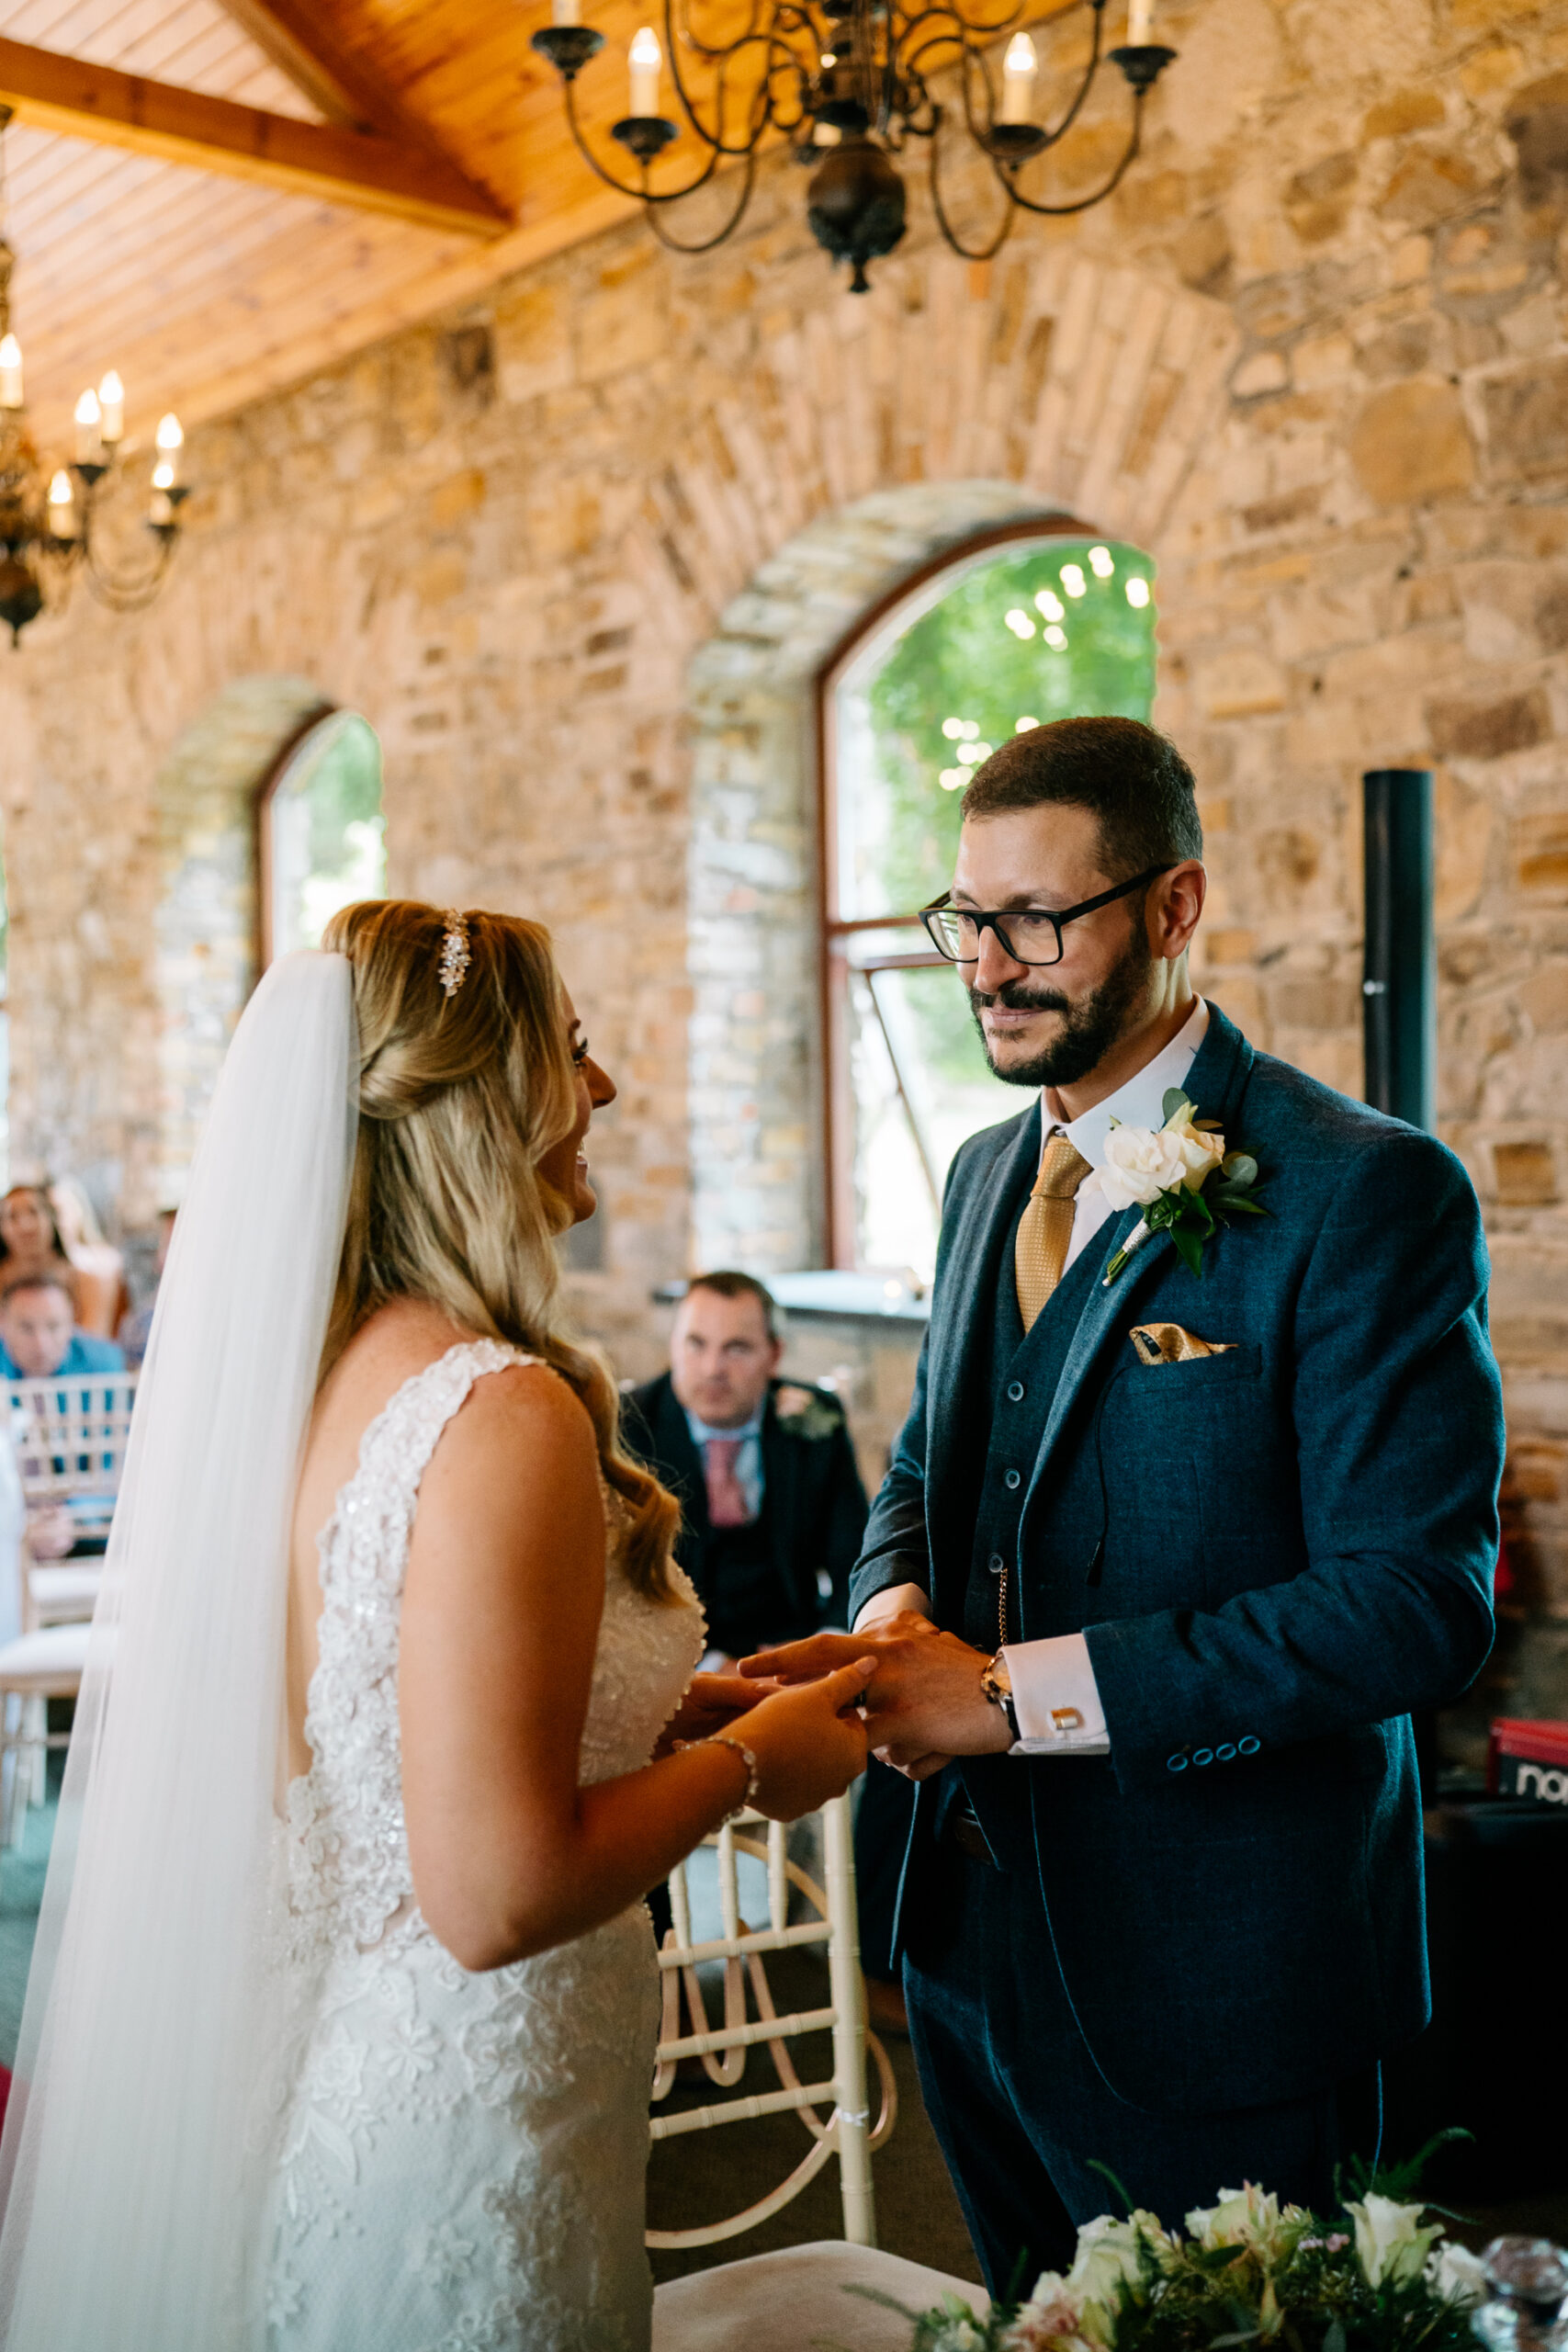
[[984, 922]]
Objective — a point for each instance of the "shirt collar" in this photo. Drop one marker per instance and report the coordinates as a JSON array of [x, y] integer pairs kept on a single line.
[[701, 1432], [1139, 1102]]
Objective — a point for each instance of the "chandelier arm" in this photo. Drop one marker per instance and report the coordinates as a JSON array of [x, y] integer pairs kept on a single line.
[[1095, 62], [120, 593], [967, 28], [762, 104], [644, 194], [755, 30], [1062, 212], [708, 245], [978, 252]]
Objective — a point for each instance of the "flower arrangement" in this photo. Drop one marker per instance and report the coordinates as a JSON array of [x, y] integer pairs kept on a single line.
[[1180, 1175], [1248, 2272]]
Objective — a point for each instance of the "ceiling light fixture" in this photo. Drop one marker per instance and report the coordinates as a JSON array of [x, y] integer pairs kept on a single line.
[[848, 83], [46, 514]]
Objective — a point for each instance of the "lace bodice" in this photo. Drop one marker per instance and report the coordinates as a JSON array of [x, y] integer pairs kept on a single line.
[[458, 2157], [349, 1873]]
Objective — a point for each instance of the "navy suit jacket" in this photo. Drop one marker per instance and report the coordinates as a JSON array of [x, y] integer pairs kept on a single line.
[[1275, 1555]]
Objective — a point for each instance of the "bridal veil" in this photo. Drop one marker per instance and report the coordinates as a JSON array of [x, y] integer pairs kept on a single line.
[[132, 2162]]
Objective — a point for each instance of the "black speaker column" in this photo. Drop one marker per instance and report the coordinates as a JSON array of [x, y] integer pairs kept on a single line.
[[1399, 990]]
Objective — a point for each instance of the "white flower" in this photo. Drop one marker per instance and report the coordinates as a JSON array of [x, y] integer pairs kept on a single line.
[[1390, 2246], [1139, 1165], [1051, 2321], [1456, 2274], [1251, 2217]]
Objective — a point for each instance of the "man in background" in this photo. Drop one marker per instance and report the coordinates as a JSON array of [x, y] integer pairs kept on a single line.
[[764, 1470], [774, 1513], [38, 1338]]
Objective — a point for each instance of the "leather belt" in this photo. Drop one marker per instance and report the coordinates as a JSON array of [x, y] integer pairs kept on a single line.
[[970, 1839]]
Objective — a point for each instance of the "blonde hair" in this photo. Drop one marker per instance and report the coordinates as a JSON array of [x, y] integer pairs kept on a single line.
[[460, 1098]]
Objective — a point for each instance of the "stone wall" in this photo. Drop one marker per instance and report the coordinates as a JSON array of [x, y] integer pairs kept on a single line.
[[1313, 355]]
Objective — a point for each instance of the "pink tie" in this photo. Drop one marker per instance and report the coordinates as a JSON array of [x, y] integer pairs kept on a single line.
[[727, 1496]]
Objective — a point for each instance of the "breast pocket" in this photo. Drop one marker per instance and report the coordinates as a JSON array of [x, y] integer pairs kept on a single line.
[[1190, 1456]]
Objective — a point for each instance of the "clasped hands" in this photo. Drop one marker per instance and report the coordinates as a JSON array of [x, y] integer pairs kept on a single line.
[[924, 1704]]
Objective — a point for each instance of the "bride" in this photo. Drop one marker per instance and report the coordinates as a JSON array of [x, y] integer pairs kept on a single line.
[[343, 2008]]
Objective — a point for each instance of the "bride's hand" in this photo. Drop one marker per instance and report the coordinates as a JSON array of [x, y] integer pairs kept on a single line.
[[712, 1702], [810, 1742]]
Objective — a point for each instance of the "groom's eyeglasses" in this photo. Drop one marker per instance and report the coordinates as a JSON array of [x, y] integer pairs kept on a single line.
[[1029, 934]]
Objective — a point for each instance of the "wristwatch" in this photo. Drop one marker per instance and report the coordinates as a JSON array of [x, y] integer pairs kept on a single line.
[[996, 1684]]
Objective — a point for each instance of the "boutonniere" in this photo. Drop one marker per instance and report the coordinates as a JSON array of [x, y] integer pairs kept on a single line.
[[804, 1411], [1183, 1179]]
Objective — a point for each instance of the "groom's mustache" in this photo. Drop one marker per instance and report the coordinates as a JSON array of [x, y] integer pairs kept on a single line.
[[1016, 996]]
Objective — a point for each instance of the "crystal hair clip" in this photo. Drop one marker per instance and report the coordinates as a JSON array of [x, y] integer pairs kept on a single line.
[[453, 969]]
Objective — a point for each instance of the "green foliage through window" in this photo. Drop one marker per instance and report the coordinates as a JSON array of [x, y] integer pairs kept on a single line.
[[1062, 629]]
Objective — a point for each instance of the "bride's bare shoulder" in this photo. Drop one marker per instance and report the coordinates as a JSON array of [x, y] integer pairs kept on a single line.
[[404, 1338]]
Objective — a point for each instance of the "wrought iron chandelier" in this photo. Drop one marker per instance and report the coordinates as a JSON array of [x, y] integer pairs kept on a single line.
[[48, 519], [848, 84]]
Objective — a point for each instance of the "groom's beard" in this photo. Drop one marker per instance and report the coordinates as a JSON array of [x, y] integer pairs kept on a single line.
[[1090, 1024]]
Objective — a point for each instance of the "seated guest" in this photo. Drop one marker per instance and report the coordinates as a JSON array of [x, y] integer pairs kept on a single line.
[[136, 1328], [38, 1338], [774, 1511], [773, 1504], [31, 1238]]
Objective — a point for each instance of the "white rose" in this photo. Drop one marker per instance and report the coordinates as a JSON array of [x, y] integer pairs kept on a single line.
[[1200, 1155], [1389, 2245], [1138, 1166], [1456, 2274], [1221, 2224], [1050, 2321]]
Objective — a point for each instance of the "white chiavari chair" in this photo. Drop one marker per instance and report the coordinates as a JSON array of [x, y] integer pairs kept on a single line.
[[844, 2130], [68, 1435]]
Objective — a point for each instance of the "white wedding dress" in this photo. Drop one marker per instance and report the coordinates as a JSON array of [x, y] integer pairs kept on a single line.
[[458, 2160]]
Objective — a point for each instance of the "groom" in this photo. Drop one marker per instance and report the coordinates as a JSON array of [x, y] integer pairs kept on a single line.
[[1162, 1565]]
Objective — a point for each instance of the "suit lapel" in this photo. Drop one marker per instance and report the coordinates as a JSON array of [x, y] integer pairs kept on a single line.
[[1214, 1084]]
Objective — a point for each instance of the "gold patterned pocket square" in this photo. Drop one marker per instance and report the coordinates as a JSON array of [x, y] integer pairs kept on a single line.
[[1168, 1343]]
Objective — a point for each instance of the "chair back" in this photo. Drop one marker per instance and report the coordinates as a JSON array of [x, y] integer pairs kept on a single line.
[[68, 1434], [844, 2130]]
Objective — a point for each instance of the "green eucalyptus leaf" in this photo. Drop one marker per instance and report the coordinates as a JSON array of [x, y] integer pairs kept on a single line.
[[1173, 1101], [1190, 1247], [1240, 1166]]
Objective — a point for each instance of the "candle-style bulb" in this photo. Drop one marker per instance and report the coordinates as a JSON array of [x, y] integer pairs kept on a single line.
[[565, 12], [111, 405], [647, 61], [62, 507], [10, 372], [171, 441], [1020, 67], [1140, 23], [89, 430]]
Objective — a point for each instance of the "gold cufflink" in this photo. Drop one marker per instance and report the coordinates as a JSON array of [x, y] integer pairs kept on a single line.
[[1067, 1719]]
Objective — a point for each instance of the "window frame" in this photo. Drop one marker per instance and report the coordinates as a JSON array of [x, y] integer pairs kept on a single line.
[[282, 763], [836, 932]]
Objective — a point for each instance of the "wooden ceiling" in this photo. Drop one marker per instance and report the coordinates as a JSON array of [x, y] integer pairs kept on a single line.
[[216, 196]]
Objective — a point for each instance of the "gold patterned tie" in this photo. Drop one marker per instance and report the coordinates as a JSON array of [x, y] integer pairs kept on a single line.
[[1046, 1226]]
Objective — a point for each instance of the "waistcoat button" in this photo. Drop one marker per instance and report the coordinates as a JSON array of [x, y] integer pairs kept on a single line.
[[1249, 1745], [1202, 1756], [996, 1564], [1177, 1763], [1224, 1754], [1015, 1391], [1012, 1480]]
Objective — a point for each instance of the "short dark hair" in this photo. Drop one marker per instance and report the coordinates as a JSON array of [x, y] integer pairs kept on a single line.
[[1138, 784], [726, 1283], [45, 1279]]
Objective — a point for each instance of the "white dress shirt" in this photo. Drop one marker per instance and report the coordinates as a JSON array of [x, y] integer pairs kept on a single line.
[[1053, 1681]]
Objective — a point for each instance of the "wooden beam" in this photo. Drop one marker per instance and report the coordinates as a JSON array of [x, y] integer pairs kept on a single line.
[[345, 86], [350, 167]]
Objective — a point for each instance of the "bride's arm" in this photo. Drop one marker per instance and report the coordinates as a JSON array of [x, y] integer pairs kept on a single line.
[[500, 1620]]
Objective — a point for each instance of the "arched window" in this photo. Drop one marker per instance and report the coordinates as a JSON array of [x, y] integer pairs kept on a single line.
[[1017, 629], [322, 833]]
